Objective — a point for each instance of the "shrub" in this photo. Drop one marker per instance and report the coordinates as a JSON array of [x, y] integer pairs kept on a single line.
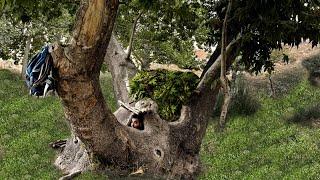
[[312, 64], [243, 101], [169, 89], [307, 116]]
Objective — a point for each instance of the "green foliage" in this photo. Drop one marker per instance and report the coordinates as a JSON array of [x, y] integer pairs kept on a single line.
[[312, 64], [306, 115], [165, 32], [264, 26], [243, 100], [42, 22], [167, 28], [170, 90], [31, 10]]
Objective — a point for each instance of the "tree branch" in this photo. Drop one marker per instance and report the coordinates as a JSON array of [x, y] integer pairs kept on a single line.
[[121, 69], [134, 26], [214, 56], [195, 115], [211, 73]]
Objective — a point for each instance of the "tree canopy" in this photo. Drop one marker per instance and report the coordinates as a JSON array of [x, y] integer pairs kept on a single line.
[[42, 22], [264, 26]]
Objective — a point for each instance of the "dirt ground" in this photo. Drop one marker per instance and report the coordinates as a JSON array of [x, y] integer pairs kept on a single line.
[[9, 64]]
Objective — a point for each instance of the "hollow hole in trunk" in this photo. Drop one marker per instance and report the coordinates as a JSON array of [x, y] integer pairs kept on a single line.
[[158, 152]]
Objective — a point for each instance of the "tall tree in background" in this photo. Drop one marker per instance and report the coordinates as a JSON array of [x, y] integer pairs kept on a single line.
[[223, 75], [26, 26]]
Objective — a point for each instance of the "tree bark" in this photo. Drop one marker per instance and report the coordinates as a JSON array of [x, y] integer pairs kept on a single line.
[[121, 69], [78, 67], [214, 56], [102, 139], [272, 90], [120, 64]]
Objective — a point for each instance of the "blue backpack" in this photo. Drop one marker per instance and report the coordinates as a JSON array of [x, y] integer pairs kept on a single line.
[[39, 77]]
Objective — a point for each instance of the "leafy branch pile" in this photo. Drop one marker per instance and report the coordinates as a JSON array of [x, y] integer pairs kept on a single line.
[[170, 90]]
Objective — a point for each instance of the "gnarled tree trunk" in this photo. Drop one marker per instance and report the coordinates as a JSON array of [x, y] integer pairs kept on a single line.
[[102, 139]]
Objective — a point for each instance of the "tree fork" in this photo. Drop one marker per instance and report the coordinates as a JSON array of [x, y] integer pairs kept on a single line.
[[166, 149]]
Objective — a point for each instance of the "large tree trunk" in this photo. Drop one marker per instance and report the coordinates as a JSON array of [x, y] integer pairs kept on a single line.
[[164, 149]]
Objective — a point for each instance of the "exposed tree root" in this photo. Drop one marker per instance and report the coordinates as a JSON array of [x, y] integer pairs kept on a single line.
[[71, 175], [73, 158]]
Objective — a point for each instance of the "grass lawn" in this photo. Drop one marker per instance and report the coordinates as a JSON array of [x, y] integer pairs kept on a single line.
[[266, 145], [263, 145]]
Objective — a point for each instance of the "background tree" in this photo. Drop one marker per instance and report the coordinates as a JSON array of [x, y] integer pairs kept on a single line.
[[27, 26], [164, 31]]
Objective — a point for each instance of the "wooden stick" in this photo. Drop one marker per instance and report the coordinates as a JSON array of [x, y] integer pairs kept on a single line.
[[129, 108]]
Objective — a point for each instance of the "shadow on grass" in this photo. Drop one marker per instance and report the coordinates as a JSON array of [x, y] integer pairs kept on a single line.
[[309, 116], [312, 64]]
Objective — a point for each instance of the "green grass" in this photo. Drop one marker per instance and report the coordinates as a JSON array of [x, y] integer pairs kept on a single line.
[[27, 126], [263, 145]]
